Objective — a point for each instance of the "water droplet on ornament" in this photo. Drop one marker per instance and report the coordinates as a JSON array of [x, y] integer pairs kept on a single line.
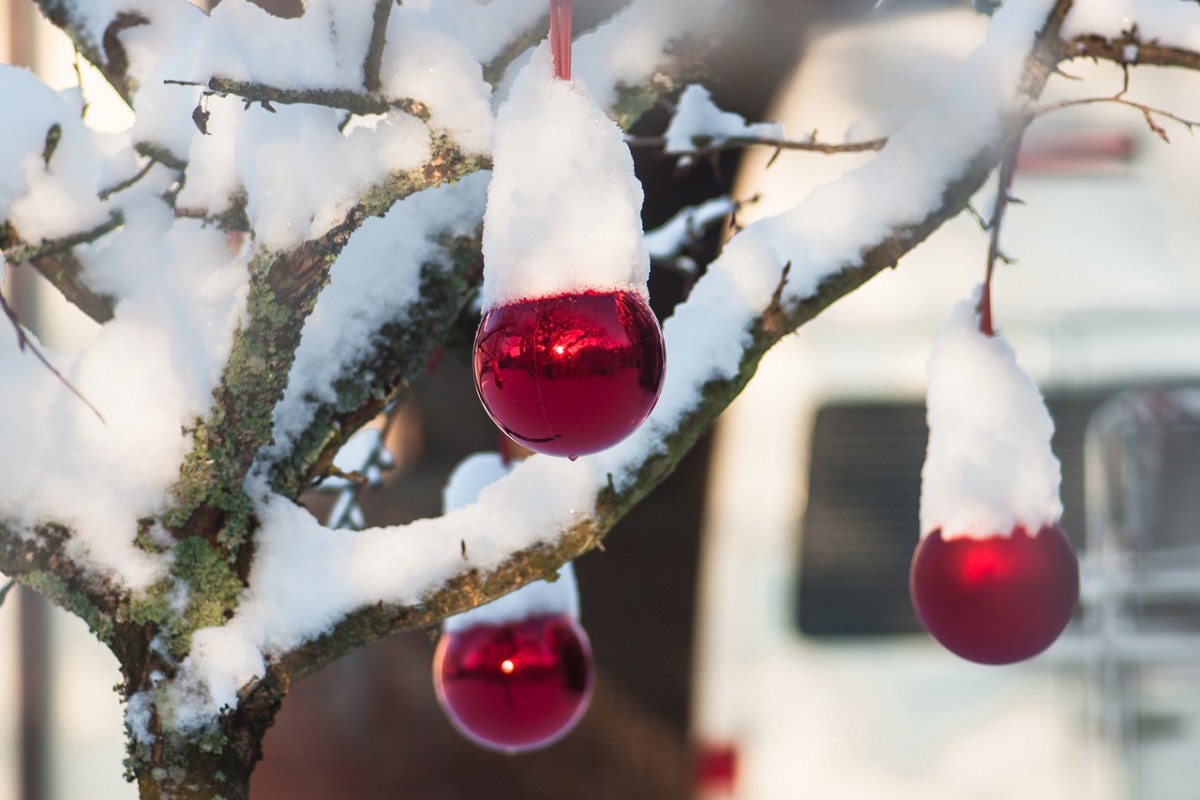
[[572, 457], [518, 686], [996, 599], [570, 374]]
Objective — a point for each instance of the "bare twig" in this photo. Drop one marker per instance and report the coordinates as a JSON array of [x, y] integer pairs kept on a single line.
[[494, 70], [24, 343], [344, 99], [1008, 168], [1121, 49], [377, 457], [1148, 112], [374, 59], [974, 214], [706, 146], [52, 247], [64, 271], [108, 54], [160, 154], [128, 182], [56, 262]]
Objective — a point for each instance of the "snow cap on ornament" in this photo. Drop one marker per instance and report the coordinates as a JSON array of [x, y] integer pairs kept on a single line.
[[988, 465], [563, 205], [993, 579], [516, 674]]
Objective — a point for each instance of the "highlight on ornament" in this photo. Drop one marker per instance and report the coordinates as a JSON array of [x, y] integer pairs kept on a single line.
[[996, 599]]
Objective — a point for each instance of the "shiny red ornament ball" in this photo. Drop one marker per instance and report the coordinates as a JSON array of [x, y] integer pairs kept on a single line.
[[570, 374], [518, 686], [998, 599]]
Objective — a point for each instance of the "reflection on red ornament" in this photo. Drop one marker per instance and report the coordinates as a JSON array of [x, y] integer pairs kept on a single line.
[[518, 686], [998, 599], [570, 374]]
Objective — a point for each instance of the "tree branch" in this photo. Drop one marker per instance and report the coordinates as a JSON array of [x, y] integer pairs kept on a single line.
[[342, 99], [374, 59], [406, 350], [707, 145], [37, 558], [1148, 112], [1145, 53], [684, 66], [55, 260], [384, 376], [107, 53], [493, 71], [283, 291], [779, 318], [19, 253]]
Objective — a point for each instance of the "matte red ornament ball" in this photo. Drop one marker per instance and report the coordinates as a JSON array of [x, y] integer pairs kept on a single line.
[[997, 599], [570, 374], [515, 687]]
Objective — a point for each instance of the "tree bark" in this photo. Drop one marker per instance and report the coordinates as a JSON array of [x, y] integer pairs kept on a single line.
[[215, 764]]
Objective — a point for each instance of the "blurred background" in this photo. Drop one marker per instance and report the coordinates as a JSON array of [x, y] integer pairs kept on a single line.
[[737, 654]]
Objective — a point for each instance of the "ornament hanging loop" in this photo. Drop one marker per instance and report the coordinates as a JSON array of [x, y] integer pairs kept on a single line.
[[560, 37]]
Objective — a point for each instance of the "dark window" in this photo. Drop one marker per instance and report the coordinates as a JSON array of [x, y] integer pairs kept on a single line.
[[860, 525]]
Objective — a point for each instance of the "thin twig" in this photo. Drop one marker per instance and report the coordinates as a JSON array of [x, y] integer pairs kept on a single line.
[[974, 214], [128, 182], [1148, 111], [52, 247], [25, 343], [107, 54], [161, 155], [1145, 53], [348, 496], [54, 259], [494, 70], [1008, 168], [715, 145], [344, 99], [374, 59]]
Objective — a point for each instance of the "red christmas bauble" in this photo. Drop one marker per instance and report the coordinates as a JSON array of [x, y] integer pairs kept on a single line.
[[998, 599], [518, 686], [570, 374]]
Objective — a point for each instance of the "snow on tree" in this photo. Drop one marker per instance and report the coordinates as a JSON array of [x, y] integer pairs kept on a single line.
[[282, 239]]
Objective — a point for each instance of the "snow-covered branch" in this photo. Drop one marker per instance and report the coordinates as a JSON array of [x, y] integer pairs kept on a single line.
[[283, 291], [41, 558], [774, 276], [349, 373], [354, 102], [55, 260], [99, 43], [272, 283]]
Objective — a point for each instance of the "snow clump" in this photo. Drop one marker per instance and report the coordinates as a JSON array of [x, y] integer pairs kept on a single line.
[[988, 467]]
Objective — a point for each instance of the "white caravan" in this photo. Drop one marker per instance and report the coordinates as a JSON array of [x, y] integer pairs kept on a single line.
[[812, 678]]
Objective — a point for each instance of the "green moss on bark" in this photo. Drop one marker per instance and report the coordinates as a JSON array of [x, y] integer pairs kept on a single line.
[[73, 600]]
